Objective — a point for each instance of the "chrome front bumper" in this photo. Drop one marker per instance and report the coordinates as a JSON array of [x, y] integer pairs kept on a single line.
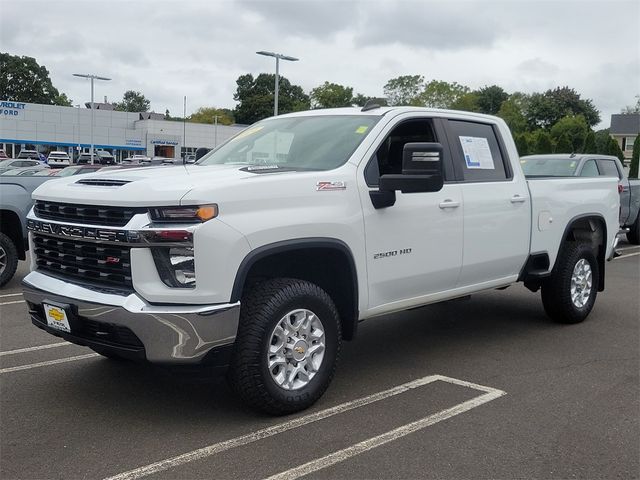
[[170, 334]]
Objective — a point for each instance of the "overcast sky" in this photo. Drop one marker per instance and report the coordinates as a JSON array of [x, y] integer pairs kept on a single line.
[[168, 49]]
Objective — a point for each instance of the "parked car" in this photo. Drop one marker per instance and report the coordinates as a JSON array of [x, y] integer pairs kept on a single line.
[[57, 159], [29, 154], [15, 203], [136, 159], [191, 158], [359, 213], [3, 154], [78, 170], [26, 171], [589, 165], [99, 157], [13, 163]]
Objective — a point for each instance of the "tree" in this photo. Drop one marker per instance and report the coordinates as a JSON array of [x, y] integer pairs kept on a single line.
[[256, 97], [405, 90], [602, 141], [614, 149], [490, 99], [590, 143], [545, 109], [360, 100], [574, 128], [522, 144], [630, 109], [440, 94], [635, 156], [331, 95], [563, 145], [133, 102], [209, 114], [23, 80], [542, 142], [513, 112], [467, 102]]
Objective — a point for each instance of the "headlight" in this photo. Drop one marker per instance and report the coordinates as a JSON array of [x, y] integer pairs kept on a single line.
[[197, 213], [176, 266]]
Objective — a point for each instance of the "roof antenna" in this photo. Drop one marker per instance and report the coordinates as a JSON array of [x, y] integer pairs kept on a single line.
[[370, 104]]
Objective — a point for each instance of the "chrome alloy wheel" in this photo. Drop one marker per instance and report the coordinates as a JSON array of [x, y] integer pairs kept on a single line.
[[296, 349], [3, 260], [581, 283]]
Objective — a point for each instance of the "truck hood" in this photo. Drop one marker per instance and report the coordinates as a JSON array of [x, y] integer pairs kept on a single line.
[[148, 186]]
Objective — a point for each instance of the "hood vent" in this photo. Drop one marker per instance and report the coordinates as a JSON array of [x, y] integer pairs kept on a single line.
[[103, 182]]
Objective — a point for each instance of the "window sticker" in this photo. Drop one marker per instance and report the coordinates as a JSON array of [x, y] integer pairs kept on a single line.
[[362, 129], [477, 154]]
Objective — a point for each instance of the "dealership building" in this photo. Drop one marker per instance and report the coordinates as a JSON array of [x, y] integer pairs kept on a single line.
[[52, 127]]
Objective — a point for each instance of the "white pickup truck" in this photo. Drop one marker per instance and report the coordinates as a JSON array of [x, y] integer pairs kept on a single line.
[[267, 253]]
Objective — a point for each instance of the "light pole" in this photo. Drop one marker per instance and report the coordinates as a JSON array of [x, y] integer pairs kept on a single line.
[[278, 57], [92, 77]]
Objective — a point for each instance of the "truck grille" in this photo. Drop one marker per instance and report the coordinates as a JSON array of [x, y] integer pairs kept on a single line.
[[86, 214], [87, 261]]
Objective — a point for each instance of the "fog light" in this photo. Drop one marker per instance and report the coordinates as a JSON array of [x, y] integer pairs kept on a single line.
[[176, 266]]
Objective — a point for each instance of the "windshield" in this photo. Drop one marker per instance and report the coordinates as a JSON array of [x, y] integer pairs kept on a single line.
[[6, 163], [549, 167], [320, 142]]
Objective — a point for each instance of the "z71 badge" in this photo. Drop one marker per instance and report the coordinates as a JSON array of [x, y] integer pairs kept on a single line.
[[326, 186]]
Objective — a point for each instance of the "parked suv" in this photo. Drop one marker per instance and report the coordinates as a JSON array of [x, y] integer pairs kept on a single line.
[[58, 159]]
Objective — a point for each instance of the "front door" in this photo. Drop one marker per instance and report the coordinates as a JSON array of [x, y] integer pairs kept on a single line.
[[414, 248]]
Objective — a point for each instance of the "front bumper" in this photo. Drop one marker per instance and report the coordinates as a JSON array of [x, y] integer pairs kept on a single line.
[[102, 318]]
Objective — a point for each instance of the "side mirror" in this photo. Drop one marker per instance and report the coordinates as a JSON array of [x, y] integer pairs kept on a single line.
[[421, 172]]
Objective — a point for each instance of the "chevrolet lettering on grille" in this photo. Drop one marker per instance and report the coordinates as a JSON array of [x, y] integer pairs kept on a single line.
[[74, 231]]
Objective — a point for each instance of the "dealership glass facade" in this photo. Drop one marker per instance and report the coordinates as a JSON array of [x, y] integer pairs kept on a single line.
[[51, 127]]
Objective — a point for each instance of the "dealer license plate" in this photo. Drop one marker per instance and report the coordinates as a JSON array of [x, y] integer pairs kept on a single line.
[[56, 317]]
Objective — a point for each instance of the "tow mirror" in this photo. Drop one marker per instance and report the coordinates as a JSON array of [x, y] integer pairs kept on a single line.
[[421, 172]]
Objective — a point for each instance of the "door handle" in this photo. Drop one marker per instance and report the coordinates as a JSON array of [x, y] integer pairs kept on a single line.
[[449, 204], [518, 199]]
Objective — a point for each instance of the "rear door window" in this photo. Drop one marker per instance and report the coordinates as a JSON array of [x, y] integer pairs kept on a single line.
[[590, 169], [608, 168], [477, 151]]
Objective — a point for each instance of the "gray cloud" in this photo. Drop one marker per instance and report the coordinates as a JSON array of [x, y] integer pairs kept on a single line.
[[168, 49]]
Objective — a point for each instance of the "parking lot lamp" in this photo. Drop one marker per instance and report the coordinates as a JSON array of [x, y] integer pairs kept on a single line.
[[92, 77], [278, 57]]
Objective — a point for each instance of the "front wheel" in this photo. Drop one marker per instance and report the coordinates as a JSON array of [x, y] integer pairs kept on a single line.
[[8, 259], [287, 346], [570, 293]]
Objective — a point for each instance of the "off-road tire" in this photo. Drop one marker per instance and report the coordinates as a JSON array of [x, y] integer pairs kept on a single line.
[[556, 291], [261, 309], [10, 257], [633, 235]]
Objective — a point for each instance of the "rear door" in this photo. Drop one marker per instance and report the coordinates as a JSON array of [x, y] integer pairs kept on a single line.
[[497, 209]]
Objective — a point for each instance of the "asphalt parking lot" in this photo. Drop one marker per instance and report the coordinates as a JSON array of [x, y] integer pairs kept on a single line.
[[482, 388]]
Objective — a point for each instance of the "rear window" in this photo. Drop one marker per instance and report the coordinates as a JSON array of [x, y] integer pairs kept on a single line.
[[549, 167]]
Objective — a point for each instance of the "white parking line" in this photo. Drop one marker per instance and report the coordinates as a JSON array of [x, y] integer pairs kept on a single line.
[[44, 364], [628, 255], [390, 436], [31, 349], [11, 303], [299, 422], [11, 295]]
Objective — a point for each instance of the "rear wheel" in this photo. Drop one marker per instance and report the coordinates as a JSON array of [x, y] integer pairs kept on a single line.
[[8, 259], [633, 235], [570, 293], [287, 346]]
